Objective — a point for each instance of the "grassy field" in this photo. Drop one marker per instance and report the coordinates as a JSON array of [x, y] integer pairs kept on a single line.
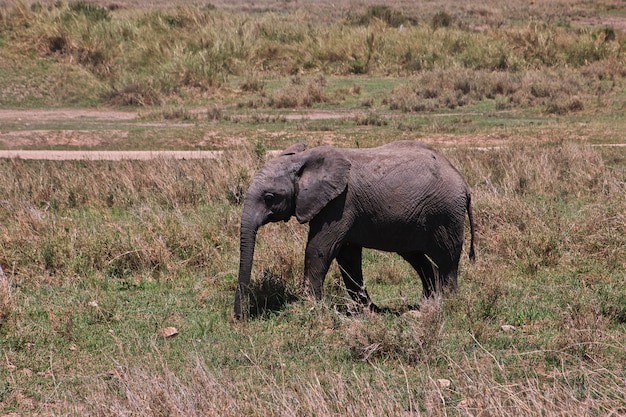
[[102, 258]]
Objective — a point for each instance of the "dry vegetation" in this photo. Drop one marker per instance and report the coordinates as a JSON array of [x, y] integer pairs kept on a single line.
[[99, 257], [121, 56]]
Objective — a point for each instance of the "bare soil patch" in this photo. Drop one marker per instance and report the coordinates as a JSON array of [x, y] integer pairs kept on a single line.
[[53, 155], [59, 114], [19, 143], [79, 138]]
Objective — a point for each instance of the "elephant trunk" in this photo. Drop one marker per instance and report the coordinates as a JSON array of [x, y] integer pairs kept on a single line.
[[249, 227]]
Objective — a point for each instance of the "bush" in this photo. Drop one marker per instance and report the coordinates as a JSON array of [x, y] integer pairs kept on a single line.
[[300, 94], [441, 20], [384, 13], [91, 11]]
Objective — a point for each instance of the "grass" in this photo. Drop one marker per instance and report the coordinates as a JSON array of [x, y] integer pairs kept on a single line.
[[96, 264], [100, 257]]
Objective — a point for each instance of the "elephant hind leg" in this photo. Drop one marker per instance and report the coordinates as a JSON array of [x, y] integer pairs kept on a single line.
[[426, 270], [349, 260], [448, 267], [449, 277]]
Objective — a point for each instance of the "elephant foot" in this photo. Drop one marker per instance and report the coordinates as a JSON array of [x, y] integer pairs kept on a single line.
[[373, 308]]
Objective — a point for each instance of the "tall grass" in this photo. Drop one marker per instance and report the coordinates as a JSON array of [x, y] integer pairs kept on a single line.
[[477, 386], [153, 56], [123, 218]]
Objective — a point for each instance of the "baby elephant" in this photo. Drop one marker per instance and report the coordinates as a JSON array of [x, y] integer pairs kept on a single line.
[[402, 197]]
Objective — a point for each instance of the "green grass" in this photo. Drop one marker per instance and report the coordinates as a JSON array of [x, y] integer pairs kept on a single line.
[[100, 256]]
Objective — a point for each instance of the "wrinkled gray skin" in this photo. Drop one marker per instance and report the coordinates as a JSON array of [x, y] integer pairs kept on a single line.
[[402, 197]]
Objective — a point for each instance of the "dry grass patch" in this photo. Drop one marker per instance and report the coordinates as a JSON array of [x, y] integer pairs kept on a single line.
[[6, 296], [414, 338], [541, 211], [300, 93], [553, 92], [205, 391], [121, 217]]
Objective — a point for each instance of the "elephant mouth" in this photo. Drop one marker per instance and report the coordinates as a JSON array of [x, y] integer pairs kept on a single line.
[[274, 217]]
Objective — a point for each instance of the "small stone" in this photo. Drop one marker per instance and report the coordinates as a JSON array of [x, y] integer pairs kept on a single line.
[[167, 332], [444, 383], [413, 314]]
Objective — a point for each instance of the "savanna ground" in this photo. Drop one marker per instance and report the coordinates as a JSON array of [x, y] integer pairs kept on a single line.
[[103, 259]]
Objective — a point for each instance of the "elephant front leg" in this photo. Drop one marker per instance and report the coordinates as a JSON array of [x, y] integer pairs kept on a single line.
[[317, 261], [349, 259]]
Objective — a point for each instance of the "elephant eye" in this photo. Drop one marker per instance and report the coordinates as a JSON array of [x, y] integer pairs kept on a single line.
[[269, 198]]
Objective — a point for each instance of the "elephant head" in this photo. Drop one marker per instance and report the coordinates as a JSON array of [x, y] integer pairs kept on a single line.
[[297, 183]]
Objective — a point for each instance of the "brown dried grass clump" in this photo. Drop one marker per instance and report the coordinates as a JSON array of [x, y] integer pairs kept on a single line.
[[300, 93], [416, 337], [551, 91], [6, 297], [474, 382], [203, 391]]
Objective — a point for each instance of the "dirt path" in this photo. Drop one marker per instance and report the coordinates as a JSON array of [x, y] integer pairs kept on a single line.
[[40, 115], [24, 137], [64, 114], [85, 129], [22, 129], [52, 155]]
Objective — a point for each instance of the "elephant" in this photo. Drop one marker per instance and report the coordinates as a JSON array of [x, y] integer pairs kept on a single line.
[[402, 197]]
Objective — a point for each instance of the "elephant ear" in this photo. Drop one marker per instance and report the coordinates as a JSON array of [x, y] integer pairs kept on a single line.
[[322, 178]]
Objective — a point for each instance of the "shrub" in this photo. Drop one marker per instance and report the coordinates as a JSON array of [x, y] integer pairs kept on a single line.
[[135, 92], [253, 84], [552, 91], [91, 11], [441, 20], [564, 105], [384, 13], [371, 119], [299, 94]]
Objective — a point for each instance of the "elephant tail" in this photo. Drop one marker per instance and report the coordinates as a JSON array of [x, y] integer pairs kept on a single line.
[[472, 253]]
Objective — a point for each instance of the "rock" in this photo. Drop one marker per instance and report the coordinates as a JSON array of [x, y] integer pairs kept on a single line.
[[413, 314], [167, 332], [444, 383]]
